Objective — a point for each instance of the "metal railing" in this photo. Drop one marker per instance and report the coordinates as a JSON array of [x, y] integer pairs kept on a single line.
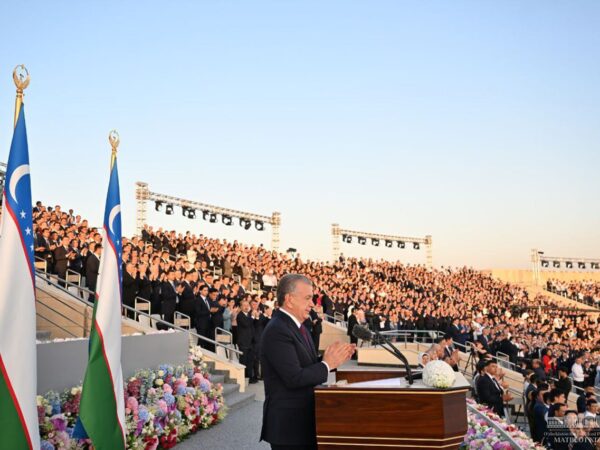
[[85, 293], [223, 336], [70, 326]]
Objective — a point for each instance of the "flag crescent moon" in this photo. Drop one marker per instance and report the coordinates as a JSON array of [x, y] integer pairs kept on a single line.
[[111, 217], [16, 176]]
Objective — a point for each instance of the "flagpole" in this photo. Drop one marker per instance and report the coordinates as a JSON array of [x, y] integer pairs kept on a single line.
[[21, 79], [113, 138]]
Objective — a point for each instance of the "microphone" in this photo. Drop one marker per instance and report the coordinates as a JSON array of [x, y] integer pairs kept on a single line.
[[363, 333]]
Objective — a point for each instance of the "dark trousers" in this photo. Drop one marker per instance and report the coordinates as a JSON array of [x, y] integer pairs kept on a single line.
[[203, 331], [247, 359]]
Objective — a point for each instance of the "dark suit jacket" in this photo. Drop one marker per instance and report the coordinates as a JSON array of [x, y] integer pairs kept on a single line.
[[352, 322], [202, 313], [60, 260], [92, 269], [490, 395], [245, 331], [291, 370], [130, 289], [187, 301], [168, 300]]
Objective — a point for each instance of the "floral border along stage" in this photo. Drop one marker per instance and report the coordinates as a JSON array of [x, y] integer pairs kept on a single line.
[[482, 436], [162, 407]]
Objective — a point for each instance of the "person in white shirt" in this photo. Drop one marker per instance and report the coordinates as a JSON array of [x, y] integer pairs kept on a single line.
[[269, 280], [591, 409], [577, 372]]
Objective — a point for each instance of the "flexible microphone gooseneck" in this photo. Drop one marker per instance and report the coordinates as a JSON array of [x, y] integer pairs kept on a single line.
[[363, 333]]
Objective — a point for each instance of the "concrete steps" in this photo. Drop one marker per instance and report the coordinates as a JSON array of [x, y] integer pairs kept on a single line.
[[234, 399], [238, 400]]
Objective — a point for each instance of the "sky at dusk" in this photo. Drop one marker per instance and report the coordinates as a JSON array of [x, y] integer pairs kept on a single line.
[[475, 122]]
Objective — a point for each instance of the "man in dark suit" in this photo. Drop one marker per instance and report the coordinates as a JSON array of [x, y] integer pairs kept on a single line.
[[92, 267], [62, 254], [246, 333], [168, 297], [292, 368], [130, 288], [187, 300], [201, 313], [489, 390]]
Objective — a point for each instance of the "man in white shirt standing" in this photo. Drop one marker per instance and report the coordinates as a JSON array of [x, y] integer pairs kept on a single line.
[[577, 372]]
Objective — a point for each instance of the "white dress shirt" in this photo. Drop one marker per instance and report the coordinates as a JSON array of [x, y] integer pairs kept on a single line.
[[577, 372]]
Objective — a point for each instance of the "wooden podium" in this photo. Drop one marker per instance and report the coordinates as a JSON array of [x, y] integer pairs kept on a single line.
[[383, 413]]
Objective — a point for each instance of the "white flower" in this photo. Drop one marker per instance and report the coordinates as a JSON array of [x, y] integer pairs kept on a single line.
[[438, 374]]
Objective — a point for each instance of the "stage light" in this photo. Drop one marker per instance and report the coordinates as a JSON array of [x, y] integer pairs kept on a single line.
[[259, 225], [569, 265], [227, 220], [184, 210], [362, 240], [344, 237], [213, 218], [375, 242], [157, 205], [401, 244], [245, 223], [191, 213], [556, 264], [416, 245], [581, 265], [205, 214], [169, 209], [388, 244], [595, 265], [349, 239], [545, 263]]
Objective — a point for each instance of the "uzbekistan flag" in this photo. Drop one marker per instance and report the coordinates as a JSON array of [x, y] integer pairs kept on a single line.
[[102, 408], [18, 364]]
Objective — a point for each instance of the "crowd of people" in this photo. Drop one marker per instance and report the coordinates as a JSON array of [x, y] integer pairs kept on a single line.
[[587, 291], [229, 285]]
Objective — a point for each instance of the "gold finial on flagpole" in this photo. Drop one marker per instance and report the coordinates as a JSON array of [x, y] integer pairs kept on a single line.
[[114, 139], [21, 79]]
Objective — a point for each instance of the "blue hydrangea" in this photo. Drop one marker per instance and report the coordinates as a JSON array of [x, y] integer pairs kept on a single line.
[[45, 445], [164, 367], [143, 414], [190, 390], [55, 407], [170, 370], [177, 413], [169, 398], [205, 386], [181, 390]]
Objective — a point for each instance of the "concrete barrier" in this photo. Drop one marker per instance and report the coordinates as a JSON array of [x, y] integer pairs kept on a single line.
[[61, 365]]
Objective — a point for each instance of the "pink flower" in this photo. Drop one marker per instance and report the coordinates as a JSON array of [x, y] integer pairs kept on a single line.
[[132, 404], [162, 406], [167, 389]]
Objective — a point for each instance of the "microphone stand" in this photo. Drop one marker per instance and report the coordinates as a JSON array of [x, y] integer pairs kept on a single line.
[[387, 345]]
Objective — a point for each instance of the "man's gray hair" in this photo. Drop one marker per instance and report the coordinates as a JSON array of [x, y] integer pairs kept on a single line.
[[287, 285]]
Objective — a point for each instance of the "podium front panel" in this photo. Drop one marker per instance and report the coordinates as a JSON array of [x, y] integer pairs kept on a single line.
[[380, 418]]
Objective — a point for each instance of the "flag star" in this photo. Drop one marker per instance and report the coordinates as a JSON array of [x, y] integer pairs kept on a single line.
[[28, 231], [23, 214], [31, 247]]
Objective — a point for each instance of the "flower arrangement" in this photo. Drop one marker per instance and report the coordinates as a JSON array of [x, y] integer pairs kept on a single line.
[[162, 407], [481, 435], [438, 374]]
